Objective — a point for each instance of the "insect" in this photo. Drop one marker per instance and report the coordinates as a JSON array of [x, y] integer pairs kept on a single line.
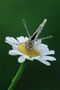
[[27, 47], [29, 43]]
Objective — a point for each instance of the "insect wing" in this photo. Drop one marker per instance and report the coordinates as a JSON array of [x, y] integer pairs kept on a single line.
[[34, 35], [40, 28], [38, 31]]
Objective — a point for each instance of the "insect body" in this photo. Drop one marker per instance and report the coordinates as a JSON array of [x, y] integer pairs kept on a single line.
[[28, 45]]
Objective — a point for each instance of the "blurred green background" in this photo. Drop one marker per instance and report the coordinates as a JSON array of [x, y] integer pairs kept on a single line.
[[36, 76]]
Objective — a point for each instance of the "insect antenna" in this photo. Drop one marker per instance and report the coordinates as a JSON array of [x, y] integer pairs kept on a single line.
[[24, 23]]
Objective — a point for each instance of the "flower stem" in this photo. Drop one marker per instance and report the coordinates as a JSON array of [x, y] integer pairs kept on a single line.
[[17, 76]]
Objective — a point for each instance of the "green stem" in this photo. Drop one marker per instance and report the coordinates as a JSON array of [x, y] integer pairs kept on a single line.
[[17, 76]]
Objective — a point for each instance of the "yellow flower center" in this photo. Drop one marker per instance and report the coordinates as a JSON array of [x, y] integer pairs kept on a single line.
[[31, 53]]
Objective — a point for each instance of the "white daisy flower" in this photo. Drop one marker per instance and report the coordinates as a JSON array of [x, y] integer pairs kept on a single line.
[[31, 48]]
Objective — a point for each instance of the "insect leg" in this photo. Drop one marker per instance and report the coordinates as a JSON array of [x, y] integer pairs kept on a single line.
[[48, 37]]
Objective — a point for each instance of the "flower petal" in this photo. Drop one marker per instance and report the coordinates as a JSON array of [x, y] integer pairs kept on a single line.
[[45, 62], [44, 59], [21, 39], [14, 52], [50, 52], [11, 40], [42, 48], [21, 59], [41, 59], [50, 58]]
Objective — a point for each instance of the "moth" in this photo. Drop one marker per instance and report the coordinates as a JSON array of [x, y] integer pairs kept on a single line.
[[31, 39], [28, 46], [29, 43]]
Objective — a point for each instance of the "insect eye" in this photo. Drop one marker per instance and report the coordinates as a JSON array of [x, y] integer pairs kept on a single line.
[[26, 44]]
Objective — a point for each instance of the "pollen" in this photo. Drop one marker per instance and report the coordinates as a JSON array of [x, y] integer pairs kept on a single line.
[[31, 53]]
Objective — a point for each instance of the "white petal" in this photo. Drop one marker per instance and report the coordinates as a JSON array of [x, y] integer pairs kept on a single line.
[[45, 62], [50, 58], [21, 39], [11, 40], [44, 59], [21, 59], [50, 52], [42, 48], [14, 52]]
